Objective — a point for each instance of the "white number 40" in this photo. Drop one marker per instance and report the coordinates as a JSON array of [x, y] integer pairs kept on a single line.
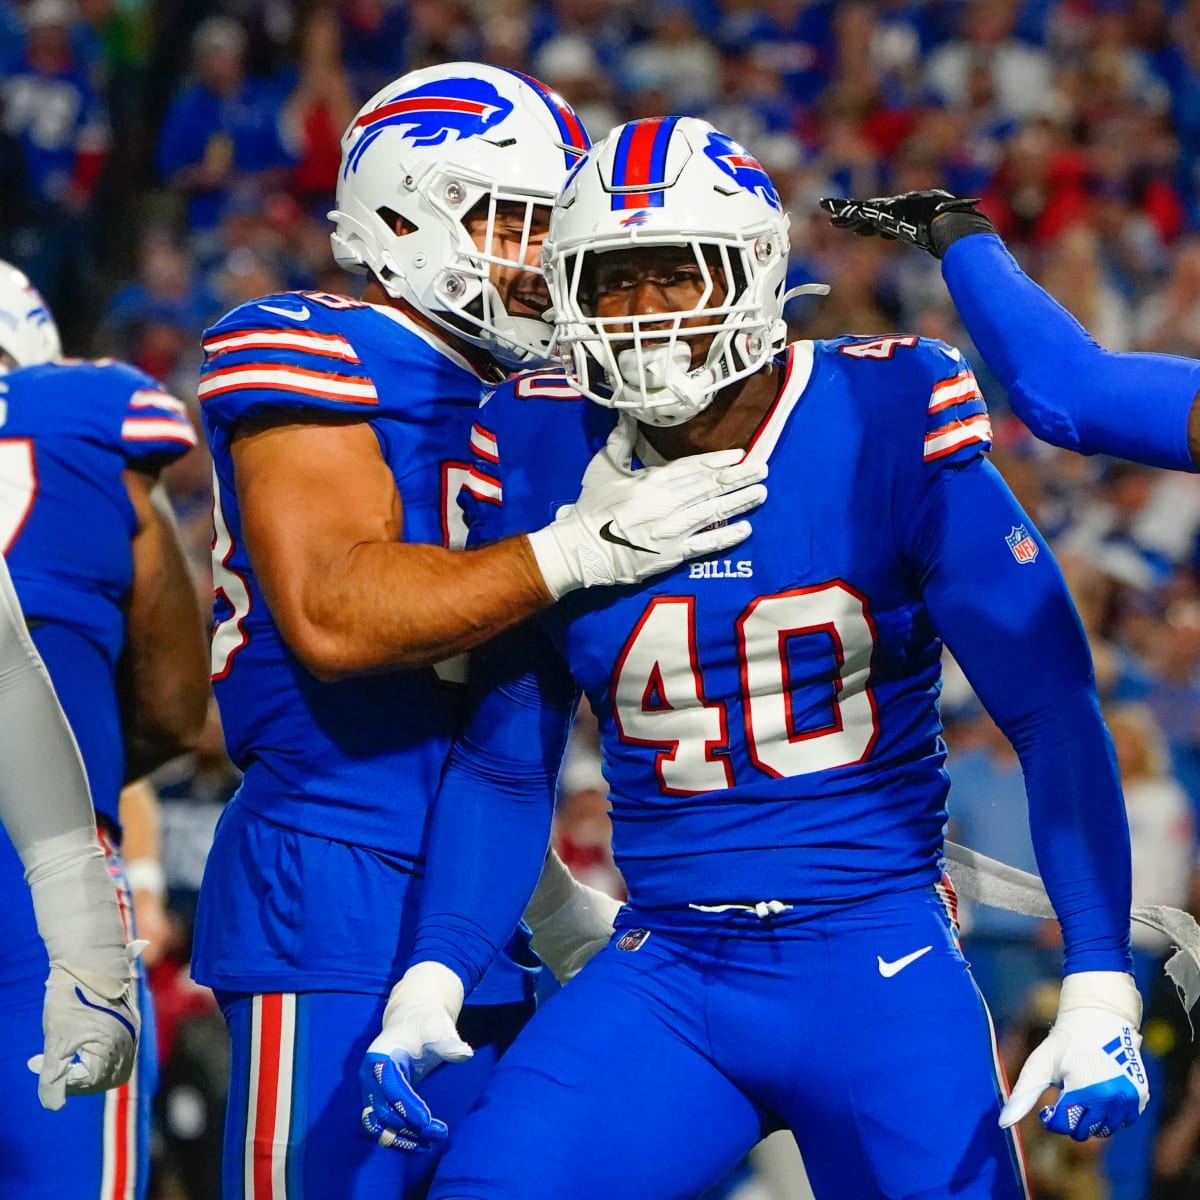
[[659, 700]]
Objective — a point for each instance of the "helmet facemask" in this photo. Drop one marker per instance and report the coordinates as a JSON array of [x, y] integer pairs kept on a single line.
[[648, 364], [438, 148]]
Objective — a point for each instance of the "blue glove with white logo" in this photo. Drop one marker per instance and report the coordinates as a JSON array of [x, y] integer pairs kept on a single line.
[[1093, 1054], [418, 1034]]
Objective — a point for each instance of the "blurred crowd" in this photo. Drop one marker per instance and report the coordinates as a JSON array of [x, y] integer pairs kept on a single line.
[[161, 162]]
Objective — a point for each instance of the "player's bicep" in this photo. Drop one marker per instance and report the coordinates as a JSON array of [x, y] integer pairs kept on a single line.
[[310, 492], [995, 593]]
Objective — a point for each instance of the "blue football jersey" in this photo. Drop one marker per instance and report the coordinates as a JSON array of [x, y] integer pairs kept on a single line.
[[309, 882], [318, 757], [784, 697], [67, 432]]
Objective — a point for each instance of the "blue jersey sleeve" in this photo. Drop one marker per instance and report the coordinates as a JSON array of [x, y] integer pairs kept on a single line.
[[155, 427], [999, 601], [1070, 391], [282, 354], [491, 822]]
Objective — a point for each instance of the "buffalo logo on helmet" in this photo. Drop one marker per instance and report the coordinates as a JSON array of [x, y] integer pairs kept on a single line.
[[432, 113], [742, 167]]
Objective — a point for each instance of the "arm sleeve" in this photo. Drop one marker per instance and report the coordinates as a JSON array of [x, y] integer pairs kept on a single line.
[[43, 788], [46, 809], [491, 823], [1010, 622], [1070, 391]]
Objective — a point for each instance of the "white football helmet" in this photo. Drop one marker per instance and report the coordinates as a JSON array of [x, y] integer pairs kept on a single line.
[[28, 334], [669, 181], [429, 148]]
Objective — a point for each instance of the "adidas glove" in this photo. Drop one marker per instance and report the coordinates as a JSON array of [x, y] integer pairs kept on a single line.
[[418, 1034], [1093, 1054], [628, 525], [929, 220]]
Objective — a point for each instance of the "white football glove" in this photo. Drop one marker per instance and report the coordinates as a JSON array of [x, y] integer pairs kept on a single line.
[[90, 1017], [629, 525], [91, 1024], [418, 1034], [1092, 1053], [569, 920]]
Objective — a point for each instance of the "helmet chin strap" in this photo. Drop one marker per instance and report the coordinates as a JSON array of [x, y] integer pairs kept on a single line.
[[658, 386]]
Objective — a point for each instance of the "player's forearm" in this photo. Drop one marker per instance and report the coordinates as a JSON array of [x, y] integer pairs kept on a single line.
[[1079, 829], [1070, 391], [491, 823], [395, 605], [164, 668], [1015, 632]]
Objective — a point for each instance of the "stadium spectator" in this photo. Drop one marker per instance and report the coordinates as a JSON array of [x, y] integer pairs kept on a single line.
[[221, 137]]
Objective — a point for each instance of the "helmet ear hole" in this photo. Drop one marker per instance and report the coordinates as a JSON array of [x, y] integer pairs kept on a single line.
[[397, 224]]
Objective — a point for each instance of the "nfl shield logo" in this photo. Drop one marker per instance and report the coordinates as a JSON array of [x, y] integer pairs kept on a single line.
[[633, 939], [1024, 548]]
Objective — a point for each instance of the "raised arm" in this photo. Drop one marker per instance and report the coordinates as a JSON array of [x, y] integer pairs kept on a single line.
[[1069, 390], [1013, 628]]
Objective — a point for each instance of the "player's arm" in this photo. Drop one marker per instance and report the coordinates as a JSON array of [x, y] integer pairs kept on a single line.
[[321, 517], [141, 853], [164, 666], [1069, 390], [1010, 623], [46, 810], [485, 850]]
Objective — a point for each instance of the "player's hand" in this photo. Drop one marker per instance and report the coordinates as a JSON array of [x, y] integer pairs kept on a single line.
[[418, 1034], [90, 1023], [629, 525], [910, 218], [1093, 1054]]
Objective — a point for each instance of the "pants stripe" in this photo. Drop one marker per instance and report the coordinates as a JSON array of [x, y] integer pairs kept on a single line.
[[272, 1038], [1014, 1138], [118, 1177]]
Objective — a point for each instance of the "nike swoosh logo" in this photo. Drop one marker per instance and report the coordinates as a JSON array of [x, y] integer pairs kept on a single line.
[[617, 540], [888, 969], [297, 314]]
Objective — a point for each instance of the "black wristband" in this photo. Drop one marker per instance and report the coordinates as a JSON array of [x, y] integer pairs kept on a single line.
[[948, 227]]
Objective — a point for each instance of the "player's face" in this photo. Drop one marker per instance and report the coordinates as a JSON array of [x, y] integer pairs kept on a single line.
[[523, 292], [651, 280]]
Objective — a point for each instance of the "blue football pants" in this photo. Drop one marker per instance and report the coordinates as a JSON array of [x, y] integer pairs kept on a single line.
[[293, 1128], [662, 1063]]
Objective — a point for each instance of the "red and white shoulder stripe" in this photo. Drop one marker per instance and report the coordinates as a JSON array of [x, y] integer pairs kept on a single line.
[[283, 377], [324, 345], [957, 417], [950, 392], [156, 416]]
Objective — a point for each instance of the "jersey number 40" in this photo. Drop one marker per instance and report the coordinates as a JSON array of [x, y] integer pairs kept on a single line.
[[659, 700]]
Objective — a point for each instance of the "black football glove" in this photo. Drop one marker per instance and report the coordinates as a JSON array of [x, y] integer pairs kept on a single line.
[[929, 220]]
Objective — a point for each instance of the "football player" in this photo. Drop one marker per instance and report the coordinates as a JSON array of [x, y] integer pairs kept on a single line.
[[771, 737], [1070, 391], [103, 587], [339, 429]]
